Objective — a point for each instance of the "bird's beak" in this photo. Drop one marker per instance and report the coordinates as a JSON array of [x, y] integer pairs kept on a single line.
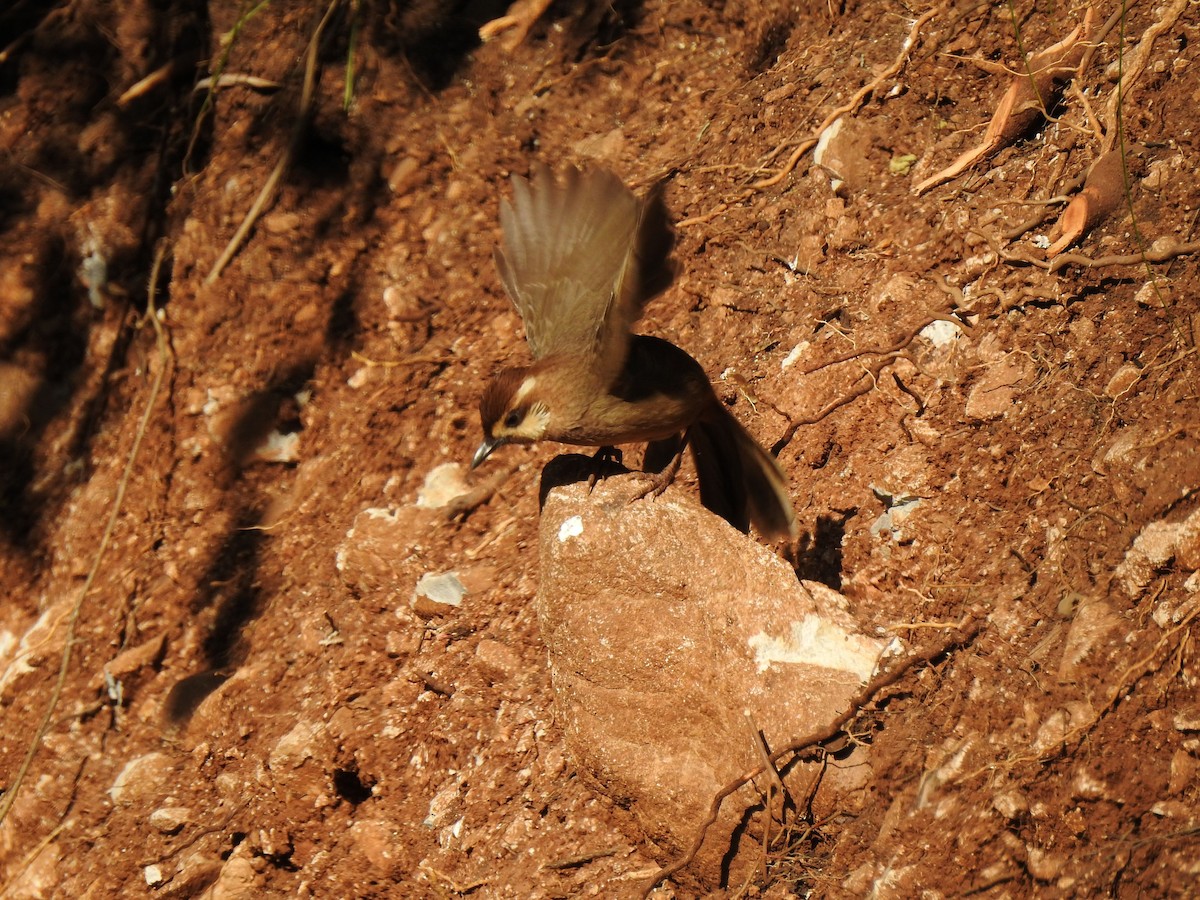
[[485, 450]]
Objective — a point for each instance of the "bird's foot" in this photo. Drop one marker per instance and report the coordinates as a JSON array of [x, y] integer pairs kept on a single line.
[[657, 482], [602, 459]]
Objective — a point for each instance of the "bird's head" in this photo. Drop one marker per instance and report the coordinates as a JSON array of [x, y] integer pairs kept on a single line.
[[511, 412]]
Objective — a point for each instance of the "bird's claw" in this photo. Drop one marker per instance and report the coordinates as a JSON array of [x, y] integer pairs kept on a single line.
[[659, 481], [605, 456]]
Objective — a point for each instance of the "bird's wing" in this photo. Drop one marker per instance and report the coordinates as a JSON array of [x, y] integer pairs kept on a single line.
[[580, 259]]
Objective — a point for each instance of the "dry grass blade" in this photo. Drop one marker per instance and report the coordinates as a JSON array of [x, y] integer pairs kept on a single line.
[[14, 786], [285, 160]]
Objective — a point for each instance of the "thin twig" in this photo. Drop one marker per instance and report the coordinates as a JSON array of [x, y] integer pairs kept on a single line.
[[967, 634], [853, 103], [285, 160], [10, 795]]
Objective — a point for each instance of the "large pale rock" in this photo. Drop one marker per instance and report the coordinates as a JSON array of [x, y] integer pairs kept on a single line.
[[665, 627]]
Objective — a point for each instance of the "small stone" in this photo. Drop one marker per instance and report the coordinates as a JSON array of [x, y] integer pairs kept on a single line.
[[295, 747], [18, 388], [1093, 627], [1122, 380], [1173, 809], [842, 152], [403, 174], [444, 590], [153, 876], [237, 879], [1060, 725], [941, 333], [170, 819], [1184, 767], [1187, 553], [375, 842], [443, 484], [1010, 803], [1086, 786], [1188, 719], [279, 448], [994, 395], [497, 662], [132, 660], [140, 777], [1044, 865], [281, 222], [1152, 549]]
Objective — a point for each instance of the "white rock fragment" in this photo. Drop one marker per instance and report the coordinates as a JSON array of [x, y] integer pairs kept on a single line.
[[796, 353], [295, 747], [445, 588], [153, 876], [814, 641], [443, 484], [1086, 786], [1122, 381], [1188, 719], [941, 333], [1010, 803], [444, 805], [139, 777], [571, 527], [279, 448], [1156, 546], [1061, 725], [237, 879], [824, 139], [898, 508]]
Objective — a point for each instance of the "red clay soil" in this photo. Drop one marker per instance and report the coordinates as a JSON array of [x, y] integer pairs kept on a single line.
[[978, 439]]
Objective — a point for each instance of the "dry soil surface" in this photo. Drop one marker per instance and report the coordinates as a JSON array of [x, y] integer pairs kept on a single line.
[[207, 687]]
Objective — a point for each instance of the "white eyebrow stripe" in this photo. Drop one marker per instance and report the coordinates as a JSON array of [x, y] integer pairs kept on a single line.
[[523, 391]]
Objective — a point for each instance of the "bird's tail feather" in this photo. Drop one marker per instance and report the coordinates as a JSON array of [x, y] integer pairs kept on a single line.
[[739, 480]]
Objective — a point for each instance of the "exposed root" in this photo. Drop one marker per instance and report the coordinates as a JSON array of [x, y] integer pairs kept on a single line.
[[869, 378], [864, 386], [1162, 251], [853, 103], [1102, 193], [479, 495], [967, 633], [520, 18], [1024, 102], [1133, 66], [582, 859]]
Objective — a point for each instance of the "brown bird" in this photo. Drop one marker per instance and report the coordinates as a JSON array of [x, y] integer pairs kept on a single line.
[[580, 259]]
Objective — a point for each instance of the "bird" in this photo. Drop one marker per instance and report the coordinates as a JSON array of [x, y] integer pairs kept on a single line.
[[580, 257]]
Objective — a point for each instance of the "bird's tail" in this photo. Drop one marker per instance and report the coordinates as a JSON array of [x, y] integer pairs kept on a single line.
[[739, 480]]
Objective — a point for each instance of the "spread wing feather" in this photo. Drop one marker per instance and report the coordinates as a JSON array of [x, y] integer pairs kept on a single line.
[[580, 259]]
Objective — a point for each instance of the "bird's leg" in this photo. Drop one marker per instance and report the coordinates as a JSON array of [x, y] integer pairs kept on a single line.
[[608, 454], [661, 464], [603, 457]]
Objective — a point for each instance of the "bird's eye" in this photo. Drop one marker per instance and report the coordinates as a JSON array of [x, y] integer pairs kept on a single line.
[[513, 419]]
